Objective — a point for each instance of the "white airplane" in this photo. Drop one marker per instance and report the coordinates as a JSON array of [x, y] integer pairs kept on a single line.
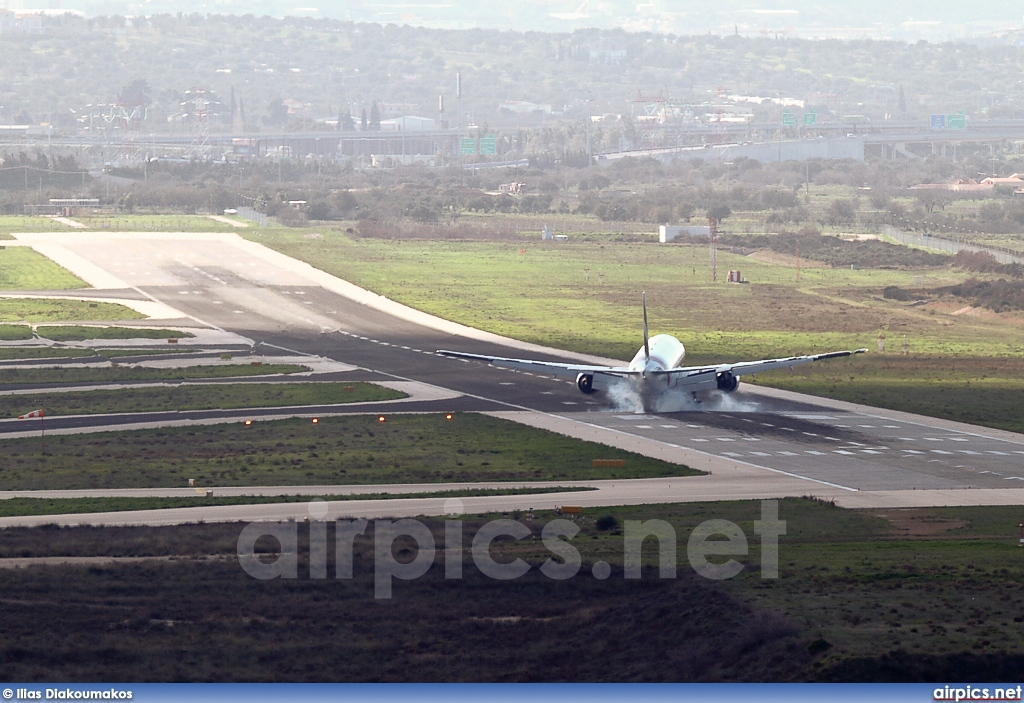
[[655, 370]]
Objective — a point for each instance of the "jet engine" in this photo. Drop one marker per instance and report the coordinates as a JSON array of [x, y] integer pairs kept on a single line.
[[585, 382], [727, 382]]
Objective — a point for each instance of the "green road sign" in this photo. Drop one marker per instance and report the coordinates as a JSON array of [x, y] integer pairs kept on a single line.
[[468, 146], [810, 118], [958, 121], [488, 145], [788, 119]]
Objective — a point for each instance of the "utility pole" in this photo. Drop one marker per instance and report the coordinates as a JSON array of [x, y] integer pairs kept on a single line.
[[713, 226], [590, 152]]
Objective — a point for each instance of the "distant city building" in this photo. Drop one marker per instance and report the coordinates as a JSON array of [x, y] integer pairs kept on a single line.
[[408, 123]]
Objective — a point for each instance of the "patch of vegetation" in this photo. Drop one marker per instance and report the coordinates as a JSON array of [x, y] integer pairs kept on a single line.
[[111, 353], [206, 396], [897, 293], [79, 333], [129, 374], [54, 310], [34, 353], [979, 390], [986, 263], [13, 333], [937, 586], [349, 449], [21, 268], [869, 253], [1000, 296], [12, 507]]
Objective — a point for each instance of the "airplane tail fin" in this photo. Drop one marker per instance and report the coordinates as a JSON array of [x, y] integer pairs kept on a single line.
[[647, 346]]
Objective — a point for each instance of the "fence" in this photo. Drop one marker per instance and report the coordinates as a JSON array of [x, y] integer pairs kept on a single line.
[[247, 213], [929, 241]]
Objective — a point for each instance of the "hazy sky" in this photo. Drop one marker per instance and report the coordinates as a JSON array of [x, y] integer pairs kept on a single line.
[[935, 20]]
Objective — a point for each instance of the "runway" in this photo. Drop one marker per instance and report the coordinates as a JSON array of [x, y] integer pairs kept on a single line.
[[767, 442]]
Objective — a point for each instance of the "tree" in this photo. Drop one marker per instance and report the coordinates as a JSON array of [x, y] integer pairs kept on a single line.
[[363, 125], [841, 211], [277, 113], [719, 212], [138, 93], [903, 101], [374, 117]]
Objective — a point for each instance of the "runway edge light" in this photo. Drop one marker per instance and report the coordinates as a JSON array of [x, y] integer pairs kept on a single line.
[[380, 419], [448, 416]]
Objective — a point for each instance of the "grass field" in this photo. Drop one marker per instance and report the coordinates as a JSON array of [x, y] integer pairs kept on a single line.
[[157, 223], [985, 391], [79, 333], [349, 450], [11, 507], [24, 223], [22, 268], [899, 595], [13, 333], [33, 353], [30, 353], [127, 374], [586, 297], [194, 397], [55, 310]]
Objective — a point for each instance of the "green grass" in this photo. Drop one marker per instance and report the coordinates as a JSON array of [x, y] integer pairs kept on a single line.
[[54, 310], [31, 353], [12, 507], [22, 268], [194, 397], [338, 450], [977, 390], [13, 333], [22, 223], [34, 353], [147, 351], [79, 333], [157, 223], [586, 297], [129, 374]]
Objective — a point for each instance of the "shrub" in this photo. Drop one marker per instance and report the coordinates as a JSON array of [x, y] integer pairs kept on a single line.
[[607, 523]]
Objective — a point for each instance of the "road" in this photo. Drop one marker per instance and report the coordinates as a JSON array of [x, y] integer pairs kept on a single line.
[[759, 442]]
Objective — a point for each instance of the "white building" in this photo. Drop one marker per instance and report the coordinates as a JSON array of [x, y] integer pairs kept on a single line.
[[408, 123]]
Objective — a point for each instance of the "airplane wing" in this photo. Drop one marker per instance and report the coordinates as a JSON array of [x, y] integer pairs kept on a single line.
[[700, 376], [543, 367], [686, 377]]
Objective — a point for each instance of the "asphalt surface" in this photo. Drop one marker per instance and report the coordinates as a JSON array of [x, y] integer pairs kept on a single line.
[[778, 436]]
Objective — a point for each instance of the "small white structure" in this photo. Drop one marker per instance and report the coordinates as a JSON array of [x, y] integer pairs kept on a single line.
[[546, 233], [666, 233], [408, 123]]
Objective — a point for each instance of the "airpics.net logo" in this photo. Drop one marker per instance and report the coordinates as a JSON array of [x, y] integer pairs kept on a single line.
[[710, 540], [977, 693]]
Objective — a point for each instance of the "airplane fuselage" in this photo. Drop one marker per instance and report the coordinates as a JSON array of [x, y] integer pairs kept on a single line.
[[667, 352]]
